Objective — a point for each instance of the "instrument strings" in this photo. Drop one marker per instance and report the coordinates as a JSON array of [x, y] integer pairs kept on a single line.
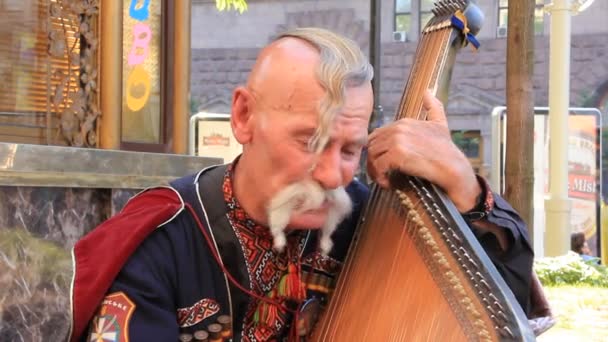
[[430, 58]]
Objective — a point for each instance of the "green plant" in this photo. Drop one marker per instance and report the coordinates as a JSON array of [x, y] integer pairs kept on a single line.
[[570, 269], [239, 5]]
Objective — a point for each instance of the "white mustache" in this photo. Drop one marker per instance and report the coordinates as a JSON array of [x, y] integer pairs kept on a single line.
[[303, 196]]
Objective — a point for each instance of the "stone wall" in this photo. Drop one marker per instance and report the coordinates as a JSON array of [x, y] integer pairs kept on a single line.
[[50, 197], [479, 76], [38, 228], [60, 215], [264, 18]]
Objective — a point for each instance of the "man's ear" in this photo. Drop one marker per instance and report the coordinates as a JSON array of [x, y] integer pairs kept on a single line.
[[241, 118]]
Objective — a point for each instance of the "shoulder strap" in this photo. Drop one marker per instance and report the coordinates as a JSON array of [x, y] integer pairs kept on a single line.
[[210, 206]]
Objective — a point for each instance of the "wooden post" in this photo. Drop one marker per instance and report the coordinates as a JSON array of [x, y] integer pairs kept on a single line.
[[181, 76], [111, 71], [519, 165], [375, 56]]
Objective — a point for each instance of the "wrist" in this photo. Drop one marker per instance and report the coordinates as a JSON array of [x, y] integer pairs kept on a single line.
[[463, 188], [484, 202]]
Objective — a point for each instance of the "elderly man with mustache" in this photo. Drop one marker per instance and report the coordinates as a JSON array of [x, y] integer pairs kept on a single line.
[[234, 250]]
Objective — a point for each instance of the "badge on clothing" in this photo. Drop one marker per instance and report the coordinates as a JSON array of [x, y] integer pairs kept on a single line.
[[111, 323]]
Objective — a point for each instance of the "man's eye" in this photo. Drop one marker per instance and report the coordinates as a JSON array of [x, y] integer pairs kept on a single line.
[[303, 143], [350, 152]]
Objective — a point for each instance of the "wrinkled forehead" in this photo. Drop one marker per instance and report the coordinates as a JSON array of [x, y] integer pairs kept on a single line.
[[304, 101], [310, 93], [295, 97]]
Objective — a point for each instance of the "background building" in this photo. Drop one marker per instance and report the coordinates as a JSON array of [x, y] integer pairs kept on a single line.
[[224, 47]]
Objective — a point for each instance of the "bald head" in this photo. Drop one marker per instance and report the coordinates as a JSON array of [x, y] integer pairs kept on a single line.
[[313, 65], [284, 70]]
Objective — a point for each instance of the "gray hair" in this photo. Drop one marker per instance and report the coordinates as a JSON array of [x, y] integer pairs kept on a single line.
[[342, 65]]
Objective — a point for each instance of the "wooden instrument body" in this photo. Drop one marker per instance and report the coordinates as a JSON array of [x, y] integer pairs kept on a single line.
[[415, 271], [419, 277]]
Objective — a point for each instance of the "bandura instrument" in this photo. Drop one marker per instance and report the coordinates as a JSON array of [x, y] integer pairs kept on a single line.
[[415, 271]]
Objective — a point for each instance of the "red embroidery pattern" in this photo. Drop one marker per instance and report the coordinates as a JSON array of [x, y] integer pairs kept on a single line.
[[264, 265], [323, 263], [202, 309]]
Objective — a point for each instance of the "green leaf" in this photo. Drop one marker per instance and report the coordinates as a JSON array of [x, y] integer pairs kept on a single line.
[[226, 5], [220, 4]]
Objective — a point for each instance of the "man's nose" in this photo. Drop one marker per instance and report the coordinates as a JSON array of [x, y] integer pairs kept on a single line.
[[327, 170]]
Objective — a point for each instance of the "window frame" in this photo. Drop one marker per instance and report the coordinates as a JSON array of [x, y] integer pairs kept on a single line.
[[539, 5], [166, 87], [422, 12], [48, 78], [396, 14], [476, 162]]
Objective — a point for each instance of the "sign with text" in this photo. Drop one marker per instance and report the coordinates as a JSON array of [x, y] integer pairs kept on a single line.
[[211, 136], [584, 186], [141, 96], [583, 172]]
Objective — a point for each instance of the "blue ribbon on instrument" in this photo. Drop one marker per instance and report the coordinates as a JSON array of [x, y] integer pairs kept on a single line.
[[459, 20]]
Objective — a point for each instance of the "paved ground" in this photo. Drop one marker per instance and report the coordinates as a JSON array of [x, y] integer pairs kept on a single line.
[[582, 314]]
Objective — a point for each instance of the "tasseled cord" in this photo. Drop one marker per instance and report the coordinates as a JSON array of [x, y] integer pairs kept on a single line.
[[290, 286]]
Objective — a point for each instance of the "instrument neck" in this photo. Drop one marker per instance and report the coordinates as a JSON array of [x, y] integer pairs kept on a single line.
[[431, 70]]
